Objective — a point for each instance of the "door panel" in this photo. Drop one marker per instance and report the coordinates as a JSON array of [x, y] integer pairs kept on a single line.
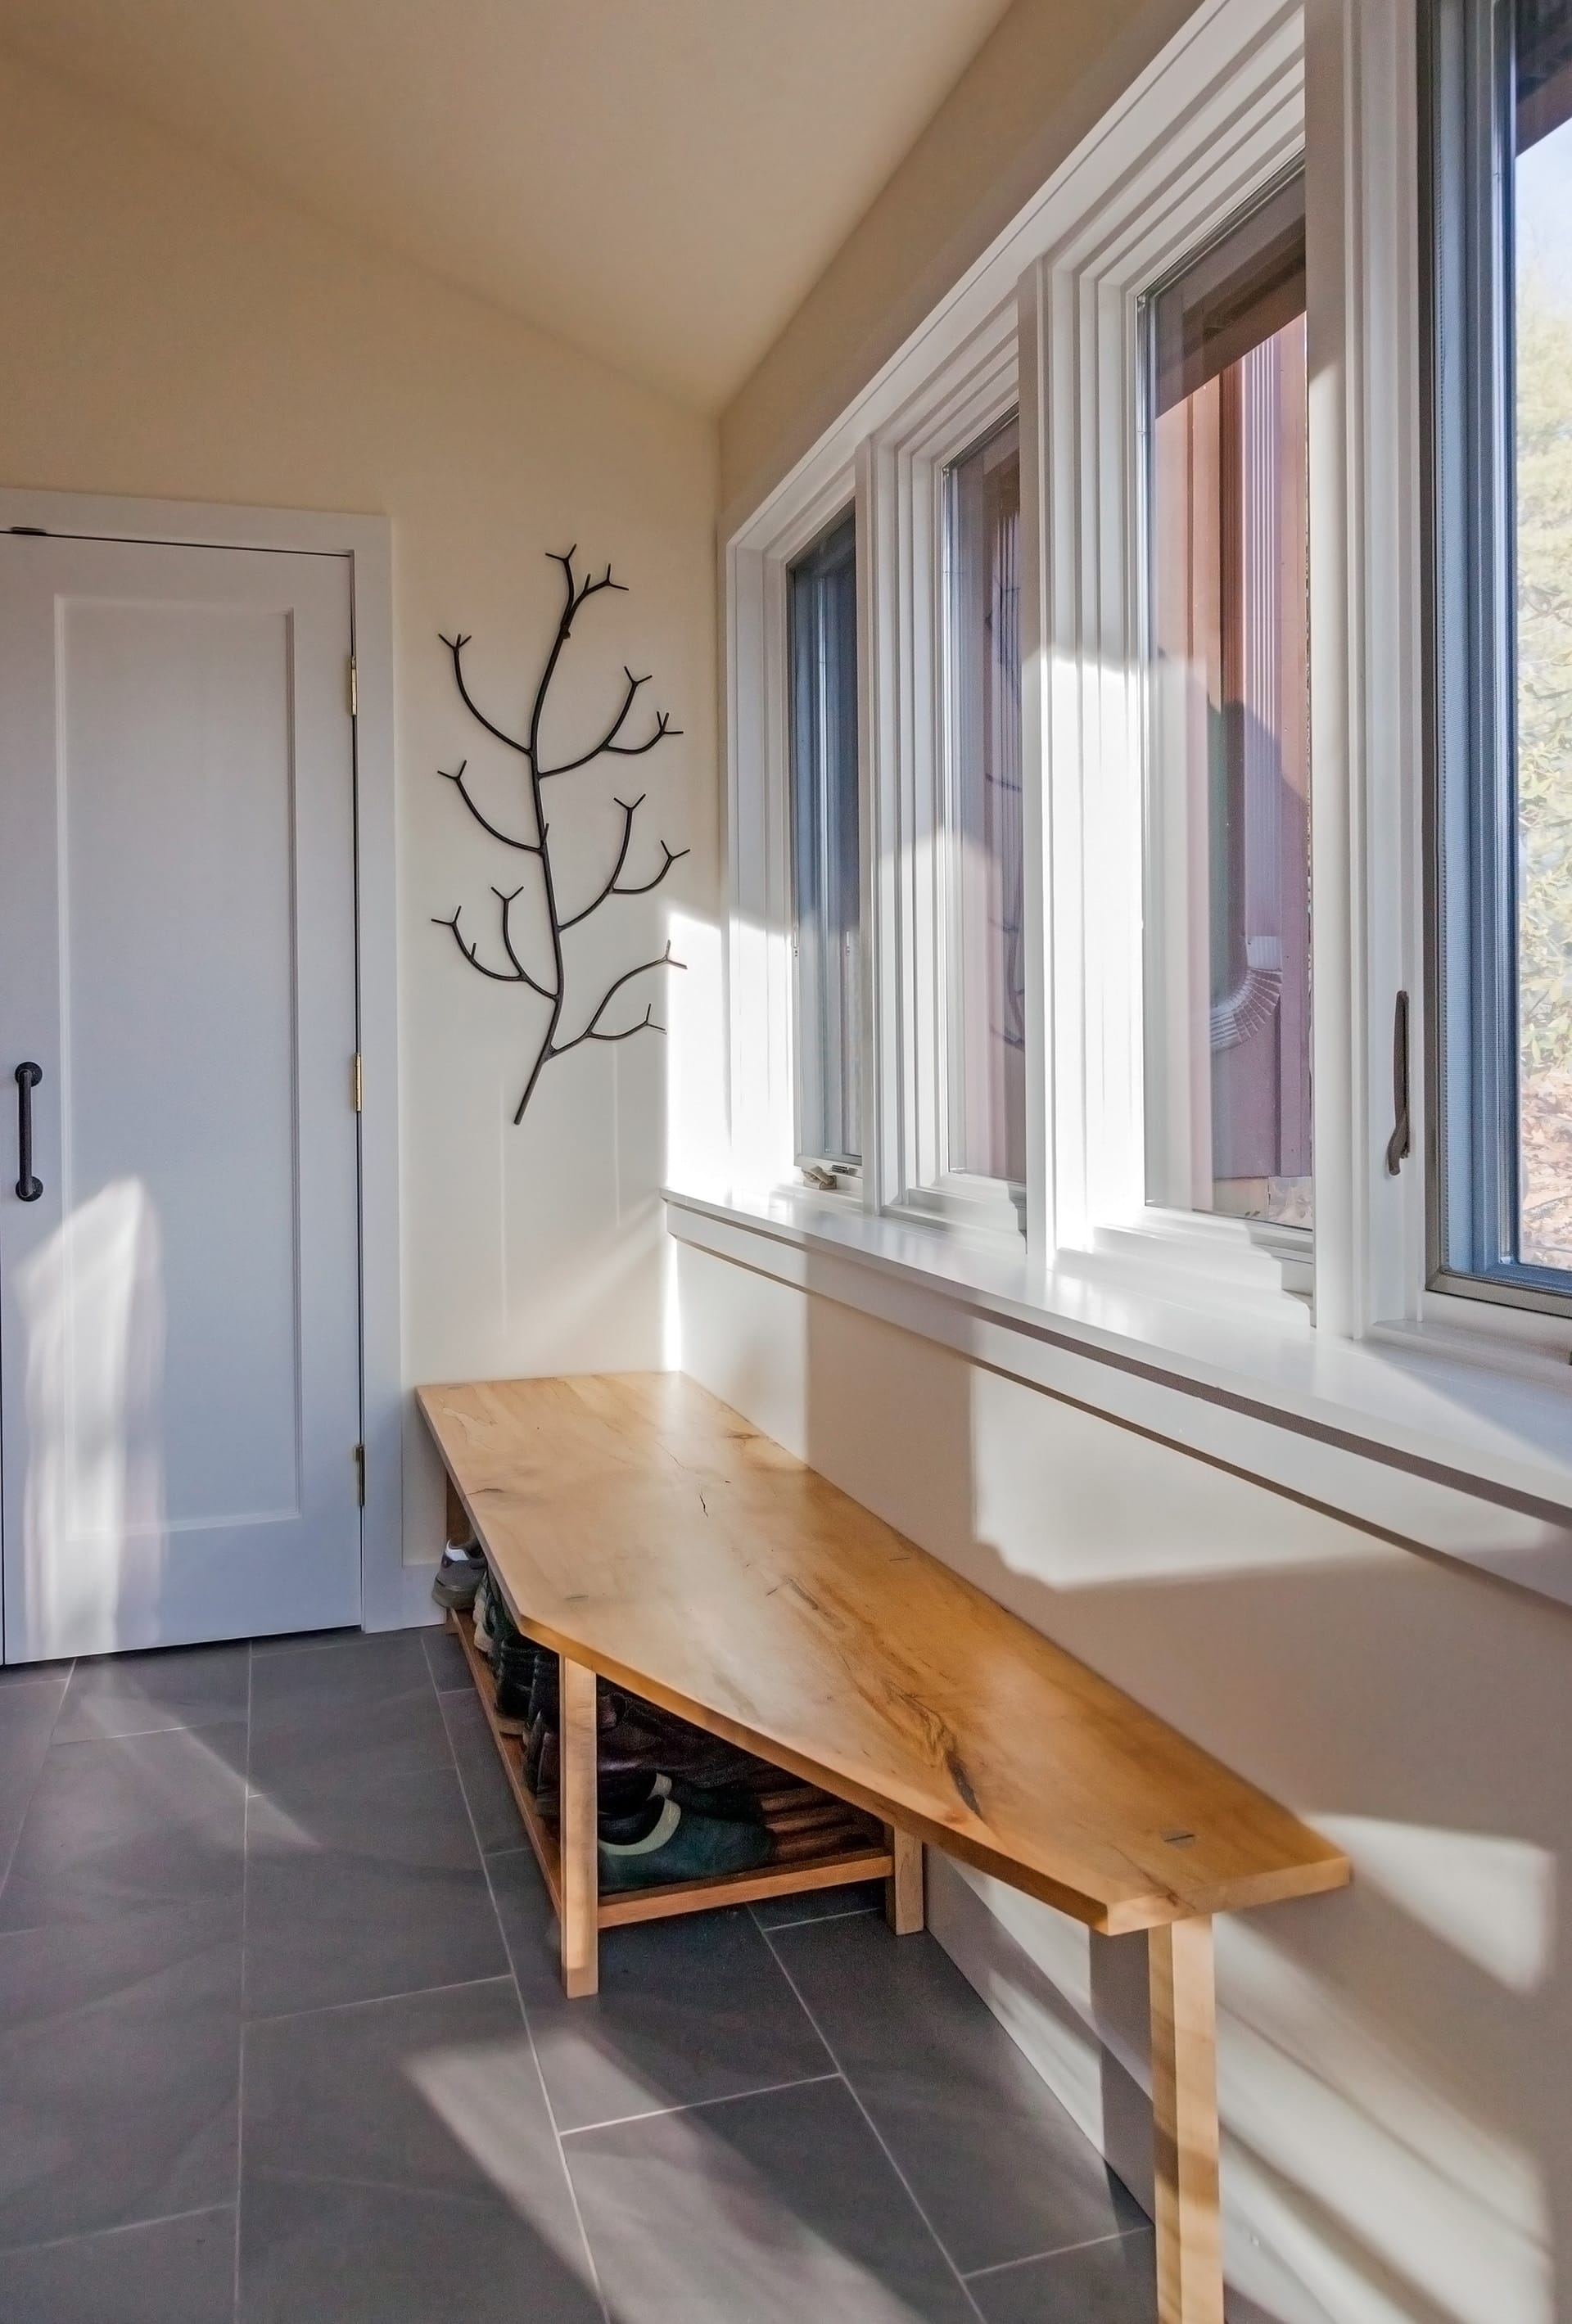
[[179, 1335]]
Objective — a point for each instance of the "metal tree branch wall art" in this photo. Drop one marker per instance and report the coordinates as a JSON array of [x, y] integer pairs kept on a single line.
[[577, 595]]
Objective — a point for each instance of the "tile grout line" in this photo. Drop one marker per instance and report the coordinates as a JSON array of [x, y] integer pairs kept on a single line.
[[290, 1642], [140, 1734], [494, 2201], [695, 2105], [939, 2244], [33, 1787], [245, 1952], [595, 2285], [808, 1920], [1059, 2251], [375, 2000], [121, 2228]]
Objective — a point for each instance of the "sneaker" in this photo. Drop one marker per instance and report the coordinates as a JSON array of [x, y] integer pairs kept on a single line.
[[676, 1844], [459, 1576]]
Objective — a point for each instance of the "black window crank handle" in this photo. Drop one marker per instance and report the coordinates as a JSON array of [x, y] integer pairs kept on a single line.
[[28, 1187]]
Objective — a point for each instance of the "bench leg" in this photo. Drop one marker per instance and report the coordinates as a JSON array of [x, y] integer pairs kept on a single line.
[[581, 1884], [1183, 2105], [904, 1907]]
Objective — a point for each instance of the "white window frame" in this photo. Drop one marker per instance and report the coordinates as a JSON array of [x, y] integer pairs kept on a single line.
[[760, 979], [1226, 108], [907, 613], [1089, 726], [1176, 1067], [1473, 739], [806, 1157]]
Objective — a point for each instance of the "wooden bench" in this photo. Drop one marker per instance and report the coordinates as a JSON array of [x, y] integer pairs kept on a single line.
[[654, 1538]]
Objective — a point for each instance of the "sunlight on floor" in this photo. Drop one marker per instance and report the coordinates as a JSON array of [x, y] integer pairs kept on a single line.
[[93, 1308], [782, 2271]]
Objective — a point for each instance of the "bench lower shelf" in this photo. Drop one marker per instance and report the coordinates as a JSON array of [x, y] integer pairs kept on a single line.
[[841, 1862]]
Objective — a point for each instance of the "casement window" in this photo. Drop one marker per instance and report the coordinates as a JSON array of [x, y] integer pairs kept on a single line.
[[825, 851], [1031, 811], [1499, 80], [986, 1028], [1228, 1016], [1053, 905]]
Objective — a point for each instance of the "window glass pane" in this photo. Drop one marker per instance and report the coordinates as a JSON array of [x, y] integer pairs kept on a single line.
[[1230, 617], [1543, 372], [825, 847], [988, 1004]]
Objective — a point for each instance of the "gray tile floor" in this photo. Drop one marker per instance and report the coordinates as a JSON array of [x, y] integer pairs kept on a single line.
[[282, 2043]]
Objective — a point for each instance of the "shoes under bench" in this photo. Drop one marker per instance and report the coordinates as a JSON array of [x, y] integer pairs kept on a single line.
[[674, 1801]]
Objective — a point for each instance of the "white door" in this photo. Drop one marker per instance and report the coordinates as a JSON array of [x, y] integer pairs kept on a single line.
[[180, 1369]]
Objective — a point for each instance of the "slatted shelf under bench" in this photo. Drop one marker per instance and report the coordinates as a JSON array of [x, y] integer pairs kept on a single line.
[[850, 1856]]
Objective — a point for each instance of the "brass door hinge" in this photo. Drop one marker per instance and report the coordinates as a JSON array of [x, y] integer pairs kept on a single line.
[[359, 1459], [357, 1083], [354, 689]]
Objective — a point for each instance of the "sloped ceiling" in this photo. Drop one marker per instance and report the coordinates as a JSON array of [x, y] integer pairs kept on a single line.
[[658, 180]]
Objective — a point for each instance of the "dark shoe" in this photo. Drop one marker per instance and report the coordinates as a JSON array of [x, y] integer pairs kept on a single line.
[[678, 1845], [485, 1610], [673, 1748], [543, 1759], [623, 1795], [514, 1664], [545, 1689]]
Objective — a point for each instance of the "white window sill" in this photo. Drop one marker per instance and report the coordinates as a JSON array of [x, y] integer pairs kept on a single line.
[[1430, 1444]]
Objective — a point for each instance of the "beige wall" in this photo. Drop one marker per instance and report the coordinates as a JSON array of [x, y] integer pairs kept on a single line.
[[1043, 77], [1395, 2059], [170, 331]]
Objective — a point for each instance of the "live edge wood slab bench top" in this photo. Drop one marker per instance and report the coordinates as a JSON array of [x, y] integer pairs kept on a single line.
[[641, 1527]]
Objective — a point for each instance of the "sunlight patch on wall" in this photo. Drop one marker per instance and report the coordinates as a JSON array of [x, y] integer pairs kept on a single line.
[[761, 967], [1365, 2168], [1491, 1899], [696, 1123]]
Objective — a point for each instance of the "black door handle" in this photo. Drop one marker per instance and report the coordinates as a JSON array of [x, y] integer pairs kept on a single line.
[[28, 1187]]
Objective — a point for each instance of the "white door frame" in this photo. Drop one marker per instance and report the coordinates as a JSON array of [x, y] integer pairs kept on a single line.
[[392, 1595]]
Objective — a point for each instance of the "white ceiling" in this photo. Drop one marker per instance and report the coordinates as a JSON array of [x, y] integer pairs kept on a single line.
[[658, 180]]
